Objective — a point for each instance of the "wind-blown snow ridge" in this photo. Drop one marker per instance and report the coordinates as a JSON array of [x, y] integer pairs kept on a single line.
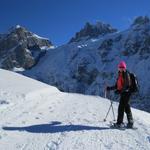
[[37, 116], [37, 36]]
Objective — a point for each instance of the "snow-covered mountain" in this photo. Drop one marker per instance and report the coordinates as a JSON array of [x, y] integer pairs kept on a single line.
[[21, 49], [86, 65], [36, 116]]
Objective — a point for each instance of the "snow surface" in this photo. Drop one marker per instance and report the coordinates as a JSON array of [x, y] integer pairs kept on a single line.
[[36, 116], [18, 69]]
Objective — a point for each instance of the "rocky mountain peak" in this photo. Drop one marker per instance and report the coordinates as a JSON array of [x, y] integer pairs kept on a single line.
[[21, 48], [92, 31], [17, 28], [141, 20]]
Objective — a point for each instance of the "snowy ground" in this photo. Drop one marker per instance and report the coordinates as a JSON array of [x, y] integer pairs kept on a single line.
[[35, 116]]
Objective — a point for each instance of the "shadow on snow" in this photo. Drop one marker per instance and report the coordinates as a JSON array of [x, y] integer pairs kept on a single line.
[[54, 127]]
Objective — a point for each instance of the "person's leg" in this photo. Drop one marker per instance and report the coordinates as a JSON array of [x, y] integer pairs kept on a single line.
[[128, 109], [129, 116], [121, 109]]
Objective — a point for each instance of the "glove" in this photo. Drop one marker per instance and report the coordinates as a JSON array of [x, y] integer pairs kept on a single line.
[[117, 92], [108, 88]]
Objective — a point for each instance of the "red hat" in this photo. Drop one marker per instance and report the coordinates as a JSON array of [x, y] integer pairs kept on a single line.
[[122, 64]]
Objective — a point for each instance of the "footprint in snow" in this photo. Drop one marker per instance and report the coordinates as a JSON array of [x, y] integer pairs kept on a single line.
[[23, 122], [86, 120], [52, 145], [37, 118], [50, 107], [3, 102], [25, 112]]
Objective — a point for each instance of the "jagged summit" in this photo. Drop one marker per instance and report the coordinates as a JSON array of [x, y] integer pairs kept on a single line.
[[20, 48], [92, 31], [17, 28], [141, 20]]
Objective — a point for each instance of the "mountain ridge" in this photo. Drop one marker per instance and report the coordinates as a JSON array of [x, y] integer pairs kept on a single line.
[[87, 65]]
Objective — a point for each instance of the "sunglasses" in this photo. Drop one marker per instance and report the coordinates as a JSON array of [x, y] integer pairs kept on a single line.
[[121, 68]]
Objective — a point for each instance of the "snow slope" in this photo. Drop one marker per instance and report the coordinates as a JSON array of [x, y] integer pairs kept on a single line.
[[35, 116]]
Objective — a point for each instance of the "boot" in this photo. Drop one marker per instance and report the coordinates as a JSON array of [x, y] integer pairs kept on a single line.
[[130, 125], [118, 125]]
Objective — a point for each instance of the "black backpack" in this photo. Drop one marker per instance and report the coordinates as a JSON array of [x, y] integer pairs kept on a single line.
[[134, 87]]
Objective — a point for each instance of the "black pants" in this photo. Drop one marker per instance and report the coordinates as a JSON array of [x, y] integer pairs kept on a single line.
[[124, 106]]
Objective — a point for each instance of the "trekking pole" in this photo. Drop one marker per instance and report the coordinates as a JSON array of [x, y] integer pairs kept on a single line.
[[108, 112], [111, 106], [113, 111], [105, 95]]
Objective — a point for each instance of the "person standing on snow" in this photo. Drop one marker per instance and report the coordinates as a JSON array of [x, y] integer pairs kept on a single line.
[[122, 87]]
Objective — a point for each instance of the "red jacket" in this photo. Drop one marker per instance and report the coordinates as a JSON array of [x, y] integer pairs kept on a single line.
[[120, 82], [123, 82]]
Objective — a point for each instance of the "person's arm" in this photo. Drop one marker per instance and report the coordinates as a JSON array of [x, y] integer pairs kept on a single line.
[[114, 87]]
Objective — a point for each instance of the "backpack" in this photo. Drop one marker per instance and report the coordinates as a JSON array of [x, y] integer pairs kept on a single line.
[[134, 87]]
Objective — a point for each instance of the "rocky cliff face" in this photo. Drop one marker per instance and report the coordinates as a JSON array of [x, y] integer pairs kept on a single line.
[[21, 49]]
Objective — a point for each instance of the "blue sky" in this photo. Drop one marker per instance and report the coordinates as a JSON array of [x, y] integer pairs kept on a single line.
[[59, 20]]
